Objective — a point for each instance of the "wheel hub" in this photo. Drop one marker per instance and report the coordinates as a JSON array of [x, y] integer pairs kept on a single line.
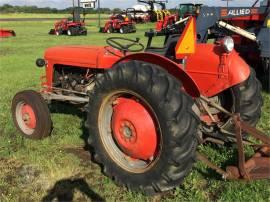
[[28, 116], [134, 129], [128, 132]]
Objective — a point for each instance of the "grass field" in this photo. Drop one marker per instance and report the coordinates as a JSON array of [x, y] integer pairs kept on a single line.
[[58, 167]]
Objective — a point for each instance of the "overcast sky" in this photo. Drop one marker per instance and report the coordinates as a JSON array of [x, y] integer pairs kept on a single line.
[[120, 3]]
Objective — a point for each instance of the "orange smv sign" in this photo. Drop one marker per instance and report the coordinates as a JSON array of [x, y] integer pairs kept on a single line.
[[187, 42]]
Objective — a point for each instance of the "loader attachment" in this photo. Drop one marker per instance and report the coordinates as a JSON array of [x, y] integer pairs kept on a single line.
[[258, 166]]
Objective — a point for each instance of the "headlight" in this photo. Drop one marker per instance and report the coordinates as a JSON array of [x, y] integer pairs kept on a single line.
[[40, 62], [228, 43]]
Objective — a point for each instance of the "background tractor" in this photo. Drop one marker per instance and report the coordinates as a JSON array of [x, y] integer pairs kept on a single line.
[[155, 13], [72, 26], [119, 23], [185, 10], [188, 9], [137, 16], [168, 21], [148, 111]]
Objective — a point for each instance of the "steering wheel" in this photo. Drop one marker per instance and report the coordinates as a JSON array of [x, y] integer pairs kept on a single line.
[[115, 43]]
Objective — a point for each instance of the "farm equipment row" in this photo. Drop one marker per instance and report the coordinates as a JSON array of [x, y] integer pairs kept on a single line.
[[147, 112], [123, 22]]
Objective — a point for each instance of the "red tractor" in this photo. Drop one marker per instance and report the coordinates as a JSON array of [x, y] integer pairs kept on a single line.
[[119, 23], [6, 33], [148, 111], [73, 26]]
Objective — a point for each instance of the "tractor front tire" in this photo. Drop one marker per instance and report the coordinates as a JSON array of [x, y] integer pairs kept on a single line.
[[31, 115], [119, 92], [52, 32]]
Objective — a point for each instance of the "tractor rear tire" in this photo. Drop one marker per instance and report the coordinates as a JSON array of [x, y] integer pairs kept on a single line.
[[266, 75], [84, 32], [175, 121], [251, 100], [123, 30], [133, 29], [71, 31], [31, 115]]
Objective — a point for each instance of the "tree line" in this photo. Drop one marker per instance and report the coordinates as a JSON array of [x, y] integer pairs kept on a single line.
[[6, 8]]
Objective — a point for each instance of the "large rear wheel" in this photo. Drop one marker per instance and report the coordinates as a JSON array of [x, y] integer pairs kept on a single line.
[[71, 31], [248, 95], [266, 75], [123, 29], [142, 127], [251, 100]]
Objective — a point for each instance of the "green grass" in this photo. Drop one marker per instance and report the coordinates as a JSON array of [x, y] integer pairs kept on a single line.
[[33, 170]]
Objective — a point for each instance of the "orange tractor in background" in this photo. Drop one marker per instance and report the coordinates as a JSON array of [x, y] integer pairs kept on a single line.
[[147, 112]]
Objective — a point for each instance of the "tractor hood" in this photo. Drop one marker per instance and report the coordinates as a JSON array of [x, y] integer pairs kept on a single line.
[[82, 56]]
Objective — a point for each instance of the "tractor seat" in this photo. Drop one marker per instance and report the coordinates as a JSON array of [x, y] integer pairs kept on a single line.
[[168, 50]]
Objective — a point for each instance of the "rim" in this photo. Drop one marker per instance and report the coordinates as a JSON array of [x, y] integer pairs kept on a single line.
[[57, 33], [26, 118], [121, 30], [129, 131], [69, 32]]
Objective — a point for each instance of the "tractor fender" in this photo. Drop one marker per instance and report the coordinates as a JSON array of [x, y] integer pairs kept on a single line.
[[173, 68], [239, 70], [214, 70]]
